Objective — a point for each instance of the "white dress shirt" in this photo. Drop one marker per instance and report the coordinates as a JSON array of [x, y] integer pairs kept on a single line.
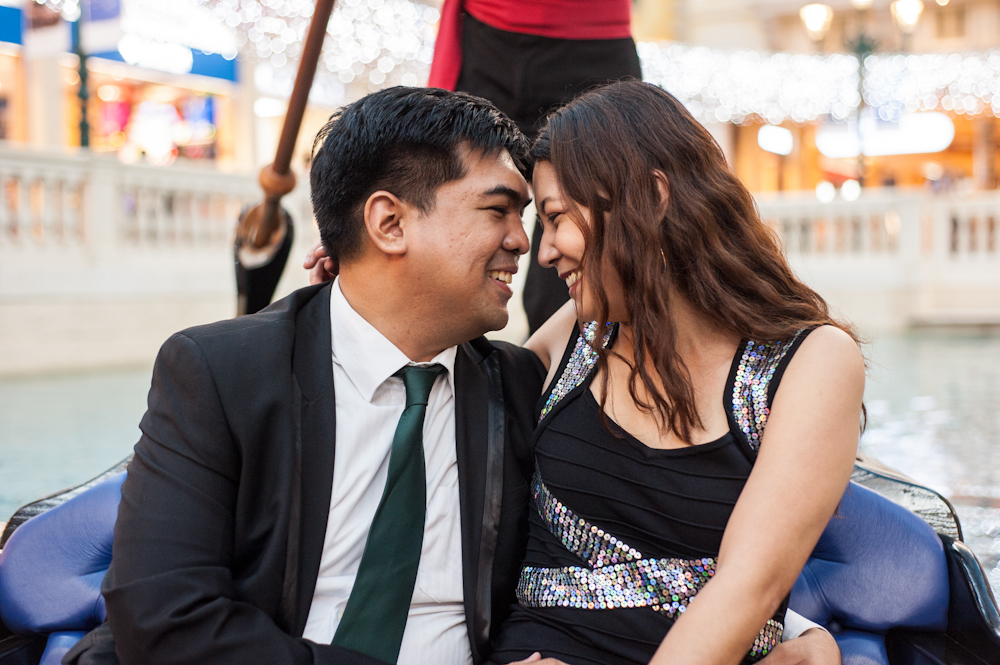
[[370, 401]]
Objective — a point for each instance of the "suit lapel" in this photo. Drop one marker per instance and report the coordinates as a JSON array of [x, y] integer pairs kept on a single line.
[[314, 410], [479, 438]]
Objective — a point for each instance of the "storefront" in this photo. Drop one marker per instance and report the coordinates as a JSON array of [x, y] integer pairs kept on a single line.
[[937, 150], [147, 116], [11, 76], [148, 101]]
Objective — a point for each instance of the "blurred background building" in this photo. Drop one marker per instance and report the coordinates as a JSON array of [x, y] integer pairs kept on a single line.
[[873, 173], [867, 130]]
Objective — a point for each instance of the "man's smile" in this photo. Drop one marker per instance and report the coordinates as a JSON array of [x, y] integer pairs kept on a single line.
[[501, 276]]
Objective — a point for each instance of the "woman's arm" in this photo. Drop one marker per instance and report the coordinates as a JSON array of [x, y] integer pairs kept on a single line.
[[806, 457], [549, 341]]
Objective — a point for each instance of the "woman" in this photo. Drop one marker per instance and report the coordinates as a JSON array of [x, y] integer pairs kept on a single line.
[[656, 480], [652, 440]]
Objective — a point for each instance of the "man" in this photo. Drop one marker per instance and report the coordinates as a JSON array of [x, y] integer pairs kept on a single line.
[[247, 507], [343, 478]]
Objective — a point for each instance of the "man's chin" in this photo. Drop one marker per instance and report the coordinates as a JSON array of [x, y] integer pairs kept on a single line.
[[497, 321], [475, 321]]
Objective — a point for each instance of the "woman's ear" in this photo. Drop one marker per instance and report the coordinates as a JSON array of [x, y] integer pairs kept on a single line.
[[663, 187], [384, 213]]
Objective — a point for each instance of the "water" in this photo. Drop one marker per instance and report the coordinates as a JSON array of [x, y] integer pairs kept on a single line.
[[932, 399], [58, 431]]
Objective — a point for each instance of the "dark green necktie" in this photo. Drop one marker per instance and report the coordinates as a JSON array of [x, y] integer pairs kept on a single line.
[[375, 616]]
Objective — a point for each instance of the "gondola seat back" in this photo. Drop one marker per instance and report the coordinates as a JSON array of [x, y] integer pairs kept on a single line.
[[52, 566], [876, 567]]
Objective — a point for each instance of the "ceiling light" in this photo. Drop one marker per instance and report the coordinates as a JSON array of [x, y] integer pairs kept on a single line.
[[775, 139], [825, 191], [816, 18], [907, 14]]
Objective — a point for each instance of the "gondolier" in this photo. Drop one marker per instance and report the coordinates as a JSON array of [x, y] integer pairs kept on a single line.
[[527, 57]]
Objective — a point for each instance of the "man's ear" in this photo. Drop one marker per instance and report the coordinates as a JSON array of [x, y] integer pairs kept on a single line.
[[663, 186], [384, 212]]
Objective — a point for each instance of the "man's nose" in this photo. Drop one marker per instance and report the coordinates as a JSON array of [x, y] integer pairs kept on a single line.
[[517, 239]]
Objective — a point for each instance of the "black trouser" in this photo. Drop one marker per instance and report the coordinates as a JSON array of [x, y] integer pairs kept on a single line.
[[526, 76]]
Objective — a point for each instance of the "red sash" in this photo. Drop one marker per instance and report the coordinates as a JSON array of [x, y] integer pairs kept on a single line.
[[559, 19]]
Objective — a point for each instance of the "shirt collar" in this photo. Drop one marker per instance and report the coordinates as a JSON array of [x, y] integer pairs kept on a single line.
[[368, 358]]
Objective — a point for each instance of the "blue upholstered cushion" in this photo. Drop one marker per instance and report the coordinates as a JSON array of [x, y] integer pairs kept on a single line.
[[51, 567], [876, 566], [58, 644], [861, 648]]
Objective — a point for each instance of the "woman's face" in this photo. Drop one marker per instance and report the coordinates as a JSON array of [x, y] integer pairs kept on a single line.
[[563, 244]]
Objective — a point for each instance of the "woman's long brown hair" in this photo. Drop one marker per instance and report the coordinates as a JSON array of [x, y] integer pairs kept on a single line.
[[709, 244]]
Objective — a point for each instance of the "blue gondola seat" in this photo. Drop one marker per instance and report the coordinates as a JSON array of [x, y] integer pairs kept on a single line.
[[878, 572], [51, 569], [877, 567]]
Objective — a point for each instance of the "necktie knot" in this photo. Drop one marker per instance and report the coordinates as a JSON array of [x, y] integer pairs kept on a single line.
[[418, 381]]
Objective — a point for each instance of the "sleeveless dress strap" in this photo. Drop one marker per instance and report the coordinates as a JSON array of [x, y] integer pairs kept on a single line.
[[576, 365], [753, 381]]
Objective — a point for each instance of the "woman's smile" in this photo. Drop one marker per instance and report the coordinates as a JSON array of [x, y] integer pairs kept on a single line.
[[572, 279]]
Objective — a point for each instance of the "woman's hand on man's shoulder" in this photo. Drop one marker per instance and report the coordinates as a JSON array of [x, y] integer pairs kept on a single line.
[[320, 266]]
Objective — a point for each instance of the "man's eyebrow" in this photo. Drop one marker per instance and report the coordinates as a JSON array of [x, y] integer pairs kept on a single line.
[[509, 192]]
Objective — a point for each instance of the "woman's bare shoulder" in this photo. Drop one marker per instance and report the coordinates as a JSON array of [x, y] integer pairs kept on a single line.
[[829, 348], [550, 339], [823, 384]]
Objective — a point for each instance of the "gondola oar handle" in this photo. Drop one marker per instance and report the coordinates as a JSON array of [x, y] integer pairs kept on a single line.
[[277, 179]]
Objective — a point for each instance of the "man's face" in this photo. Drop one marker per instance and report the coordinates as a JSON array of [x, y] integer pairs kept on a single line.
[[464, 251]]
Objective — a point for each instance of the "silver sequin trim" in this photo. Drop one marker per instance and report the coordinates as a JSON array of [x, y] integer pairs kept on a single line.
[[753, 376], [619, 577], [666, 585], [767, 639], [581, 361], [595, 546]]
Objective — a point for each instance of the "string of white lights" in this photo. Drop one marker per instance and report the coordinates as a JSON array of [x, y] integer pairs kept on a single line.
[[737, 86], [379, 43], [376, 42], [967, 84], [740, 86]]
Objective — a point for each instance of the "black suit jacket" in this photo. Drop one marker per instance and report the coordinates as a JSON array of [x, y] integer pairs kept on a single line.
[[224, 511]]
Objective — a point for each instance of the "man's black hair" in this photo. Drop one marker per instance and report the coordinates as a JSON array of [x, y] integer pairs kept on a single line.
[[401, 140]]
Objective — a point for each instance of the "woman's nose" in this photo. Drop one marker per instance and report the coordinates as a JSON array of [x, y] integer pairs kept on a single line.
[[547, 252]]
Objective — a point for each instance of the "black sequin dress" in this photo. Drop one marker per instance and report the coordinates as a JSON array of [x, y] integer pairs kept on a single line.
[[621, 535]]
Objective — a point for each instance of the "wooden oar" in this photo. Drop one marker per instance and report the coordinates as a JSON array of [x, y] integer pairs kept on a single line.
[[264, 232]]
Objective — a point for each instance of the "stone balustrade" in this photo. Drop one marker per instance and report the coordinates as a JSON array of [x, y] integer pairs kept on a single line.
[[896, 258], [101, 261]]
